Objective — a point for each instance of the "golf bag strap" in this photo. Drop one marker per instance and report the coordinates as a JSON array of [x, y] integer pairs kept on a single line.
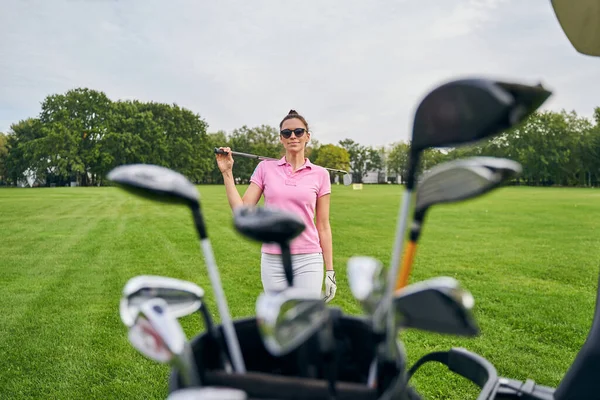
[[466, 364], [267, 386], [439, 356]]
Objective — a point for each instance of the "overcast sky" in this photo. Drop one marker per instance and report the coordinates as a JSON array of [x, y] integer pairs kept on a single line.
[[355, 69]]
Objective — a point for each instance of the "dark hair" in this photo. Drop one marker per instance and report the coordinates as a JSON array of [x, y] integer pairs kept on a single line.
[[294, 114]]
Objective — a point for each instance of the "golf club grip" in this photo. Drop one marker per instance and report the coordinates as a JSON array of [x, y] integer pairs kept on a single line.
[[409, 257], [238, 153], [286, 258]]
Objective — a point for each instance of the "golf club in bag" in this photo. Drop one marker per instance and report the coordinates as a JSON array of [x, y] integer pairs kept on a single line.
[[165, 185], [457, 112], [460, 111], [346, 179], [271, 376], [275, 377], [451, 182]]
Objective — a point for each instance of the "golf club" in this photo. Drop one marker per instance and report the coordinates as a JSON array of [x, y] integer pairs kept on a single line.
[[457, 112], [437, 305], [269, 225], [287, 319], [158, 335], [163, 184], [580, 21], [208, 393], [366, 279], [453, 181], [182, 298], [347, 178]]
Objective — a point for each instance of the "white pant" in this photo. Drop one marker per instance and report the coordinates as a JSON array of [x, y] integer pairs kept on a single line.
[[308, 272]]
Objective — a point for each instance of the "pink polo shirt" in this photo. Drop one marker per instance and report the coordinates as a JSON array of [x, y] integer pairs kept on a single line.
[[296, 192]]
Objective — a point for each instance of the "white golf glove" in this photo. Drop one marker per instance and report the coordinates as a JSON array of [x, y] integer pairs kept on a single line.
[[330, 285]]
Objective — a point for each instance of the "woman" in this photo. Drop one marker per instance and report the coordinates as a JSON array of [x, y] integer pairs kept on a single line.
[[294, 184]]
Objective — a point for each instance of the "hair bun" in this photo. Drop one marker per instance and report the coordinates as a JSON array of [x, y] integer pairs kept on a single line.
[[292, 112]]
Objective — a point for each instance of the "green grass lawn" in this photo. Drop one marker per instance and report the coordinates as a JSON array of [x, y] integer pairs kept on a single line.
[[529, 256]]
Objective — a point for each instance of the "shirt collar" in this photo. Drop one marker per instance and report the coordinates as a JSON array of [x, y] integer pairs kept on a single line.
[[307, 163]]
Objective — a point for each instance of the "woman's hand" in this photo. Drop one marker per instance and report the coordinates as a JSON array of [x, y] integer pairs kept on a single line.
[[225, 161], [330, 285]]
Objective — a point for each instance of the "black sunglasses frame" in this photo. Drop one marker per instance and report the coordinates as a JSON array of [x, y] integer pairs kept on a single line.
[[298, 132]]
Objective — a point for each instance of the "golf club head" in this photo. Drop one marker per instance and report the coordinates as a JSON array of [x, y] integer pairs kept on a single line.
[[467, 110], [505, 168], [366, 278], [347, 179], [157, 334], [580, 21], [437, 305], [288, 318], [181, 297], [267, 225], [208, 393], [452, 182], [156, 183]]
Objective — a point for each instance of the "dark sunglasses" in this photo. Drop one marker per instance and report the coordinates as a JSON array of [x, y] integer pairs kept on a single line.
[[287, 133]]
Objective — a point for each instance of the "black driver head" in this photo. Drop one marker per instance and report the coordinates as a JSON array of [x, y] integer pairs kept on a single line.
[[437, 305], [468, 110], [267, 225], [156, 183]]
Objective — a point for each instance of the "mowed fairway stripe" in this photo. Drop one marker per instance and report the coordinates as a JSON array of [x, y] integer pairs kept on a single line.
[[63, 299]]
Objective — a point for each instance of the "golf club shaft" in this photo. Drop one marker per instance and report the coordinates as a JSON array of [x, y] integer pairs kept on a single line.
[[409, 256], [247, 155], [213, 273], [386, 302], [228, 328], [237, 153], [215, 335], [189, 367], [393, 272], [286, 258]]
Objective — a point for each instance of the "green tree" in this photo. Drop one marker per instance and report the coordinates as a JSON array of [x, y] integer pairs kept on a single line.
[[312, 150], [180, 141], [332, 156], [3, 155], [397, 160], [362, 159], [26, 151], [75, 123]]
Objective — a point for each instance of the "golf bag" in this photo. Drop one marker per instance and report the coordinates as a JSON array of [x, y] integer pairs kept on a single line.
[[300, 374]]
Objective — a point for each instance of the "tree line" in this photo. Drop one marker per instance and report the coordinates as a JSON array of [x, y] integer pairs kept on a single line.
[[81, 134]]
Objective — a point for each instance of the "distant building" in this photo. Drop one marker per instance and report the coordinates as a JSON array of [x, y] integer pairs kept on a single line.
[[375, 176]]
